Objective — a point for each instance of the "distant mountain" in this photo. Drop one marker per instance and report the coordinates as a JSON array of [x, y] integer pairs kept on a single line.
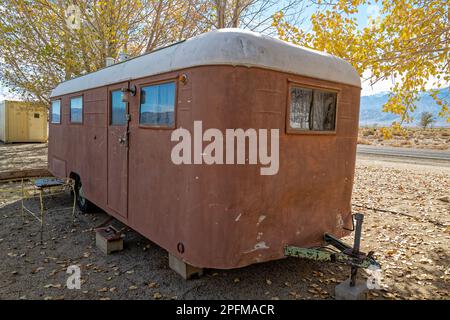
[[371, 109], [157, 118]]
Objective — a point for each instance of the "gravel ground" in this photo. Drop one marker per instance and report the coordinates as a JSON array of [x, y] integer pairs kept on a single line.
[[411, 241], [31, 271]]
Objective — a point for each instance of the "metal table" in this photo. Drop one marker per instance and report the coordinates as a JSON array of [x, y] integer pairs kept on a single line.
[[41, 188]]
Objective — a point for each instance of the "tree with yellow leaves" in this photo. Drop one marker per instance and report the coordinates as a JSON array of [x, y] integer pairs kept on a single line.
[[408, 43], [43, 42]]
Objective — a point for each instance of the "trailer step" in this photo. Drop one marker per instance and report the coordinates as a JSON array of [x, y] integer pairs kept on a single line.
[[108, 239]]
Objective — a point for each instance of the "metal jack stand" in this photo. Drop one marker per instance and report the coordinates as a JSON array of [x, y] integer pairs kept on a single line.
[[350, 289], [356, 245]]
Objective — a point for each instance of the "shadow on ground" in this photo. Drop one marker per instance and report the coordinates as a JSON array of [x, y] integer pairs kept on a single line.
[[31, 270], [34, 271]]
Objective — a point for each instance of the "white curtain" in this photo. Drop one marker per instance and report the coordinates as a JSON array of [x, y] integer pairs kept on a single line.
[[312, 109]]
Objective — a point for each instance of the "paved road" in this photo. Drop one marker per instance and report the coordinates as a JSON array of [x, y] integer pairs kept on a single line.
[[404, 153]]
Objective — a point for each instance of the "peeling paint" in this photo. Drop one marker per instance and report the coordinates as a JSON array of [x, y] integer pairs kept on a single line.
[[260, 219], [339, 221], [238, 217], [259, 246]]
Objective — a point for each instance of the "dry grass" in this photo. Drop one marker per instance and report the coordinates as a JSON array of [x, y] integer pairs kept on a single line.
[[435, 138]]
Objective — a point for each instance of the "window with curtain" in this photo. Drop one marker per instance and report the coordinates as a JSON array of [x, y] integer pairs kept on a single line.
[[76, 110], [312, 109], [55, 116], [118, 108], [158, 105]]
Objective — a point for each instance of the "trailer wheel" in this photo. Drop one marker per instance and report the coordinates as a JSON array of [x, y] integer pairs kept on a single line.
[[83, 204]]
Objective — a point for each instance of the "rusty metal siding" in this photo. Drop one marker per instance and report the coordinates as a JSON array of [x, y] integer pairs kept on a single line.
[[225, 216]]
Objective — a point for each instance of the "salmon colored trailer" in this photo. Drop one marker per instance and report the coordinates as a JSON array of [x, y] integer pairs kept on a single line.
[[112, 130]]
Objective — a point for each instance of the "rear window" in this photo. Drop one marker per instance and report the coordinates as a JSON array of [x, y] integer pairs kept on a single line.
[[55, 115], [158, 105], [76, 110], [312, 109]]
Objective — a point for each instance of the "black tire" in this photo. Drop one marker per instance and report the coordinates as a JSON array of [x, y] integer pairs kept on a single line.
[[83, 204]]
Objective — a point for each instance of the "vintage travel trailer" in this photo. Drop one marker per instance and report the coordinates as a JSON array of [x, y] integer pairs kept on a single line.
[[112, 130], [22, 121]]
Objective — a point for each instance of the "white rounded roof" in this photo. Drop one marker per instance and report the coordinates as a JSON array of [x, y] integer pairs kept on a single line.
[[221, 47]]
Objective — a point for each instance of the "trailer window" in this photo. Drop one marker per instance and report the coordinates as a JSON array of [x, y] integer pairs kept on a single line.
[[312, 109], [76, 110], [158, 105], [55, 116], [118, 108]]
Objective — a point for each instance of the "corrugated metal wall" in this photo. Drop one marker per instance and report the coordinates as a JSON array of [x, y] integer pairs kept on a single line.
[[2, 121], [23, 122]]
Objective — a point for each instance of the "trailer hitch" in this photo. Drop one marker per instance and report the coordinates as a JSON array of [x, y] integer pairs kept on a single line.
[[346, 254]]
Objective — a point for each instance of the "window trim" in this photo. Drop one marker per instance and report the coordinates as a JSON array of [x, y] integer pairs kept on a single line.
[[298, 84], [110, 100], [175, 106], [82, 109], [60, 112]]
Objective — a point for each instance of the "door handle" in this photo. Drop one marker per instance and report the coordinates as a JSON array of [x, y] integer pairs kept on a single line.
[[122, 140]]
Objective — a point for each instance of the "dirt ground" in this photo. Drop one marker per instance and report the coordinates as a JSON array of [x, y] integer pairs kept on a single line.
[[433, 138], [411, 238]]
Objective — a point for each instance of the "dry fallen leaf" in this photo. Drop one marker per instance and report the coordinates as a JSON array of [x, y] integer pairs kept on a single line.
[[157, 295], [37, 270]]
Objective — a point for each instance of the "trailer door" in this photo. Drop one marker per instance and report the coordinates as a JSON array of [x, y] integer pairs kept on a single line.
[[118, 121]]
